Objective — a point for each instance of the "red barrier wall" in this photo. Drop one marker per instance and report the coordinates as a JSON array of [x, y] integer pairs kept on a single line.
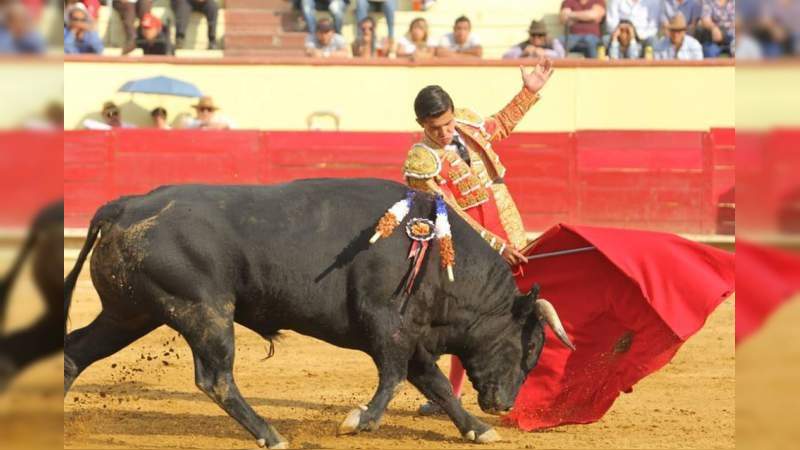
[[645, 179], [30, 174]]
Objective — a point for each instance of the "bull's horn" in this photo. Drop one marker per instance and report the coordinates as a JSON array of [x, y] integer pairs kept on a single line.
[[546, 311]]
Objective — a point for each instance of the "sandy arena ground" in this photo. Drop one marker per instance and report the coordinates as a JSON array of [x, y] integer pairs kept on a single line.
[[144, 397]]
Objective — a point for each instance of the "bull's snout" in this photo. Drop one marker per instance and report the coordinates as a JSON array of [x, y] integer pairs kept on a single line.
[[493, 403], [497, 411]]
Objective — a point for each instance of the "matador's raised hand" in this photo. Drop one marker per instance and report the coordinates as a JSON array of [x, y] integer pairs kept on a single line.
[[537, 78]]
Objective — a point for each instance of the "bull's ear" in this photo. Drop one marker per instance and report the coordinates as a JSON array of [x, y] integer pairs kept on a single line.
[[524, 305]]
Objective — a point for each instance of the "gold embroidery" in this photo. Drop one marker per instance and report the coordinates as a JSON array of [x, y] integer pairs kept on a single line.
[[509, 216], [422, 162], [514, 111], [469, 117]]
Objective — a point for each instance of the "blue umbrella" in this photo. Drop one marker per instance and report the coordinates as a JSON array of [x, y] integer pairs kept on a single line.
[[162, 86]]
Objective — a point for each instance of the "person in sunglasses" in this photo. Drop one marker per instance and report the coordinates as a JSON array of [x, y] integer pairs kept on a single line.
[[537, 45], [79, 33], [207, 117], [112, 118]]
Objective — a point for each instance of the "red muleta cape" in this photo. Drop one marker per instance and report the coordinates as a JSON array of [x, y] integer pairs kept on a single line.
[[627, 306]]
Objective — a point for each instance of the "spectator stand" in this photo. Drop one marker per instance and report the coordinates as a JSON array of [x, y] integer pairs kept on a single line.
[[109, 25]]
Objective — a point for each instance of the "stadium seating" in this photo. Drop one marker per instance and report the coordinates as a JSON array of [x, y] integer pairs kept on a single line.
[[271, 28]]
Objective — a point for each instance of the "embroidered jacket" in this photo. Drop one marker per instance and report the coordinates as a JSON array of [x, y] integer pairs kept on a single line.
[[475, 183]]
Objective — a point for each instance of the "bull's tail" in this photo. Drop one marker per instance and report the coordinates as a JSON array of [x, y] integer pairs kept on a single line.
[[107, 213], [8, 280]]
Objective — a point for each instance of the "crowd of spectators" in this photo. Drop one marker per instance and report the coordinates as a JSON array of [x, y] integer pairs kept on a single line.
[[141, 27], [614, 29], [206, 117]]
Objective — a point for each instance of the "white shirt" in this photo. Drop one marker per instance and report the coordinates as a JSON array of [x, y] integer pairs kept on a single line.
[[690, 50], [644, 15], [193, 122], [448, 41], [91, 124], [409, 47]]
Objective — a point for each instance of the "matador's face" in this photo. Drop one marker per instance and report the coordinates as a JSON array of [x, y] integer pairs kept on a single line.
[[440, 129]]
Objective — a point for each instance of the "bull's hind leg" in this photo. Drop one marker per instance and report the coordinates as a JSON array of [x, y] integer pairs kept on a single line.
[[25, 347], [103, 337], [210, 336], [425, 375]]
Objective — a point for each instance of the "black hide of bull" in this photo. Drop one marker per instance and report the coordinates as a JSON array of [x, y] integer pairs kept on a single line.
[[43, 247], [296, 256]]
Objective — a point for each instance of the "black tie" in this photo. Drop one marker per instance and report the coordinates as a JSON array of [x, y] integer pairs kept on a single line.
[[462, 149]]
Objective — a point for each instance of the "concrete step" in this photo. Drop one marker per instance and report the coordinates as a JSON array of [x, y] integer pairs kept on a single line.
[[264, 53], [235, 39], [252, 18], [275, 5]]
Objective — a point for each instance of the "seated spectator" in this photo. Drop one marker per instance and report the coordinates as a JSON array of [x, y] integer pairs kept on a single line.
[[691, 10], [324, 43], [678, 45], [112, 118], [207, 117], [537, 44], [51, 119], [129, 11], [643, 14], [79, 35], [154, 38], [159, 117], [716, 29], [335, 7], [416, 44], [746, 46], [18, 33], [365, 45], [461, 42], [183, 10], [624, 43], [388, 6], [583, 18]]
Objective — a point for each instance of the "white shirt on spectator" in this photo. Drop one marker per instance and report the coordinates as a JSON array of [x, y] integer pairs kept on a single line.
[[409, 47], [449, 42], [216, 122], [690, 50], [91, 124], [643, 14], [337, 43]]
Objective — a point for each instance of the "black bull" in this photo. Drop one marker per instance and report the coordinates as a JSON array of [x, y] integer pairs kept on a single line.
[[296, 256]]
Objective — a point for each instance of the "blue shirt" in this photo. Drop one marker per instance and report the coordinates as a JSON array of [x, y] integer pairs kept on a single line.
[[31, 42], [91, 42], [690, 50]]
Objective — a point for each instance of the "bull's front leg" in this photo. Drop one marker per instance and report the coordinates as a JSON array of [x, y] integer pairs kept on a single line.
[[391, 371], [425, 375]]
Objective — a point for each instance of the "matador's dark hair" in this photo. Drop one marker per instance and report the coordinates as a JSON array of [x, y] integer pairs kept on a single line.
[[432, 101]]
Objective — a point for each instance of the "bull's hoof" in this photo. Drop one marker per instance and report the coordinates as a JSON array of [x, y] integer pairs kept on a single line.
[[281, 444], [487, 437], [351, 422]]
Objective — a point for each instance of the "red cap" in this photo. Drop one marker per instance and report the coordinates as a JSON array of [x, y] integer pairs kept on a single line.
[[149, 21]]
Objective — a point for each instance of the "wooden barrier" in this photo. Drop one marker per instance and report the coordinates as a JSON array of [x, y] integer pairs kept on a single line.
[[658, 180]]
